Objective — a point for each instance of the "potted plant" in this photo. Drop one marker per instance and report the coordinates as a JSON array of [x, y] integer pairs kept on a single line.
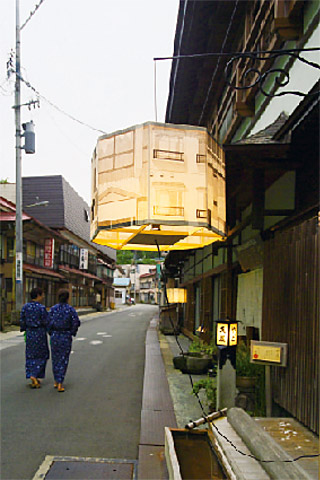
[[209, 386], [198, 359], [245, 370]]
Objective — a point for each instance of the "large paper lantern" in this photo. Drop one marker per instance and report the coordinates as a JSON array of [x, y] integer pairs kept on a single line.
[[158, 185]]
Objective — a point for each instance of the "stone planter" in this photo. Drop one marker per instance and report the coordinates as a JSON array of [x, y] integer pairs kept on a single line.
[[194, 363], [245, 383]]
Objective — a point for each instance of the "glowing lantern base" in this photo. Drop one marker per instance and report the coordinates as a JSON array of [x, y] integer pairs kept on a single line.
[[148, 237], [158, 186]]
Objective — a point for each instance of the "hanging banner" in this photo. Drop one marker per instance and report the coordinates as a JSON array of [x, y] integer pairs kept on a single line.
[[48, 252], [83, 263]]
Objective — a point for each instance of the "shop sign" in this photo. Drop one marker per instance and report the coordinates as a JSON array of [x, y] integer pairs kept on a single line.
[[83, 263], [19, 267], [48, 252], [269, 353]]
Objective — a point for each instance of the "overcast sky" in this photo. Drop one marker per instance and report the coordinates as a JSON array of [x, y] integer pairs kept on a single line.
[[93, 60]]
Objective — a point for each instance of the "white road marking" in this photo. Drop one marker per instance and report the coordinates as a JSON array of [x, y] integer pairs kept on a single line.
[[101, 333], [80, 339], [96, 342], [107, 336]]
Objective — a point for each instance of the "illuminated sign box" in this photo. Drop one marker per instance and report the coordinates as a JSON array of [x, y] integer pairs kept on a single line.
[[269, 353], [177, 295], [226, 333]]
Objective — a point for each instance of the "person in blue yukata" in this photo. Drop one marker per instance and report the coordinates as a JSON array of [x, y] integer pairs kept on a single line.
[[63, 324], [34, 321]]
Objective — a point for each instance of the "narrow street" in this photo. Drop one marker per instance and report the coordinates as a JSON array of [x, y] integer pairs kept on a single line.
[[99, 413]]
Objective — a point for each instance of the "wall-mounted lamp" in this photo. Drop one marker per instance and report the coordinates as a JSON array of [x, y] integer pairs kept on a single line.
[[177, 295]]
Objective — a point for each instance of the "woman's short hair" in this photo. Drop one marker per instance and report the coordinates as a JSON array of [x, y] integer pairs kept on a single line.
[[36, 292], [63, 295]]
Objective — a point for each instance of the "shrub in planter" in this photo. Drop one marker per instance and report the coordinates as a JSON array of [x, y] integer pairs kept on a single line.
[[250, 376], [210, 349], [244, 368], [209, 385]]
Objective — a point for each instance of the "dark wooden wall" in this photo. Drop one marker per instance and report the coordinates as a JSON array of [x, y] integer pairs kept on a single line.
[[291, 314], [189, 318]]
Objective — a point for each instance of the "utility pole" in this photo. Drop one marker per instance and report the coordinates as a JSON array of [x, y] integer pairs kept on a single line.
[[19, 232]]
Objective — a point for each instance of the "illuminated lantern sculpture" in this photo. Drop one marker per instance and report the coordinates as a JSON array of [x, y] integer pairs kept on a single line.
[[156, 186]]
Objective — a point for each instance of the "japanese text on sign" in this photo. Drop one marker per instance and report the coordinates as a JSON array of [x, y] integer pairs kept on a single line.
[[19, 267], [266, 353], [83, 262], [48, 252]]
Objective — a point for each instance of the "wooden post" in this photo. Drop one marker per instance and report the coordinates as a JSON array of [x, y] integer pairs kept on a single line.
[[268, 391]]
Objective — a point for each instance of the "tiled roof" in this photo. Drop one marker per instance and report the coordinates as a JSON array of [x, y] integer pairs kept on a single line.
[[66, 209], [266, 135]]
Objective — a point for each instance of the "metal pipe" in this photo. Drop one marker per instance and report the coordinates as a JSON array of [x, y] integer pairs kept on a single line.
[[208, 418]]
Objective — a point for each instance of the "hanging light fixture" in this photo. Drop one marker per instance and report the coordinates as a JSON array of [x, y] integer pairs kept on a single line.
[[158, 187], [177, 295]]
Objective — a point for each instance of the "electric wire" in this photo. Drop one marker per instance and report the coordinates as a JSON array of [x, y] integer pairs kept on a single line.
[[31, 14], [235, 54], [28, 84], [155, 91]]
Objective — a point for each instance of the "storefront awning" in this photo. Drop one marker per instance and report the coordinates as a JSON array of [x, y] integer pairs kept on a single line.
[[41, 271], [11, 217], [75, 271]]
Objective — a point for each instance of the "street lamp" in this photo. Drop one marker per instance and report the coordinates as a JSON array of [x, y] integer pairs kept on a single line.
[[226, 333], [226, 341]]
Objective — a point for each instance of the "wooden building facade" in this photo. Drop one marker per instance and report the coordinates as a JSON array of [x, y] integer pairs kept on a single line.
[[266, 273]]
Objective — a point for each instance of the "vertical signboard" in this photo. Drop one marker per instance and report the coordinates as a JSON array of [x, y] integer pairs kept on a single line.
[[48, 252], [83, 263], [19, 267]]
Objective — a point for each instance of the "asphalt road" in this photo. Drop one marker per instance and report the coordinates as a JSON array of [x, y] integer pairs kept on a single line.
[[99, 413]]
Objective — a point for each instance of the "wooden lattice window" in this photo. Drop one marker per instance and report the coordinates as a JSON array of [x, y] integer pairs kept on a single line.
[[168, 155]]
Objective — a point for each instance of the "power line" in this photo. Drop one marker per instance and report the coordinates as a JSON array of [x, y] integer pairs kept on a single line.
[[240, 54], [155, 91], [31, 14], [28, 84]]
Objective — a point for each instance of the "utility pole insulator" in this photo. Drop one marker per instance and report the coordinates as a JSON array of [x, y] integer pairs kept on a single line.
[[29, 136]]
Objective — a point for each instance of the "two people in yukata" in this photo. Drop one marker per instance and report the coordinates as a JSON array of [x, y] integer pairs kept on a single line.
[[61, 323]]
